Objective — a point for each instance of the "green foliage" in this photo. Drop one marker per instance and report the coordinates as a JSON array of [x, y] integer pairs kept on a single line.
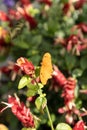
[[32, 90], [52, 25], [83, 62], [63, 126], [40, 102], [28, 129], [70, 61], [77, 73], [23, 82]]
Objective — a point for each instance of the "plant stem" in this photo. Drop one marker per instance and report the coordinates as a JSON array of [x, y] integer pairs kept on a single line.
[[48, 113]]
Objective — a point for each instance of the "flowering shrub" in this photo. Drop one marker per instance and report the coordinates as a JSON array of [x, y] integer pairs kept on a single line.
[[43, 63]]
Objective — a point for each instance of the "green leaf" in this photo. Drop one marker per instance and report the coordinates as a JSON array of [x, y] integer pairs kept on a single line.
[[53, 118], [70, 61], [28, 129], [40, 102], [83, 62], [63, 126], [24, 129], [78, 103], [32, 86], [40, 85], [23, 82], [23, 44], [64, 1], [77, 73], [33, 11], [32, 90], [7, 38], [30, 93], [37, 71]]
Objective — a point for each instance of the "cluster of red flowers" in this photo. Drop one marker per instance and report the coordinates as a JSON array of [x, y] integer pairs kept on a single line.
[[75, 43], [71, 5], [19, 13], [79, 4], [26, 66], [68, 86], [21, 111], [23, 66]]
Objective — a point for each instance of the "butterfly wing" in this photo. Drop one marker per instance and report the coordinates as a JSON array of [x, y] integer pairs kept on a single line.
[[46, 68]]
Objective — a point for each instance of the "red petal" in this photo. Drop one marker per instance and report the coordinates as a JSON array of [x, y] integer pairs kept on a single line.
[[79, 125]]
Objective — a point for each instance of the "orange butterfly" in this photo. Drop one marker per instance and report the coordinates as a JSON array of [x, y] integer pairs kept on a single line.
[[46, 68]]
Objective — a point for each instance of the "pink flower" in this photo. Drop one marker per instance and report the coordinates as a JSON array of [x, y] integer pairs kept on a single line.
[[21, 111], [26, 66], [79, 125]]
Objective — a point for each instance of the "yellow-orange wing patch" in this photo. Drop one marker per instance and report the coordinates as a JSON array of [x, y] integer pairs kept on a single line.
[[46, 68]]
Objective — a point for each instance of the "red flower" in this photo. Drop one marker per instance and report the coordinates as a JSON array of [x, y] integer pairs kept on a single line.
[[59, 77], [14, 14], [26, 66], [5, 70], [21, 111], [31, 20], [79, 125], [71, 42], [68, 92], [25, 2], [31, 99], [27, 16], [79, 4], [5, 41], [4, 17], [5, 38], [68, 86], [66, 8], [11, 70], [83, 27]]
